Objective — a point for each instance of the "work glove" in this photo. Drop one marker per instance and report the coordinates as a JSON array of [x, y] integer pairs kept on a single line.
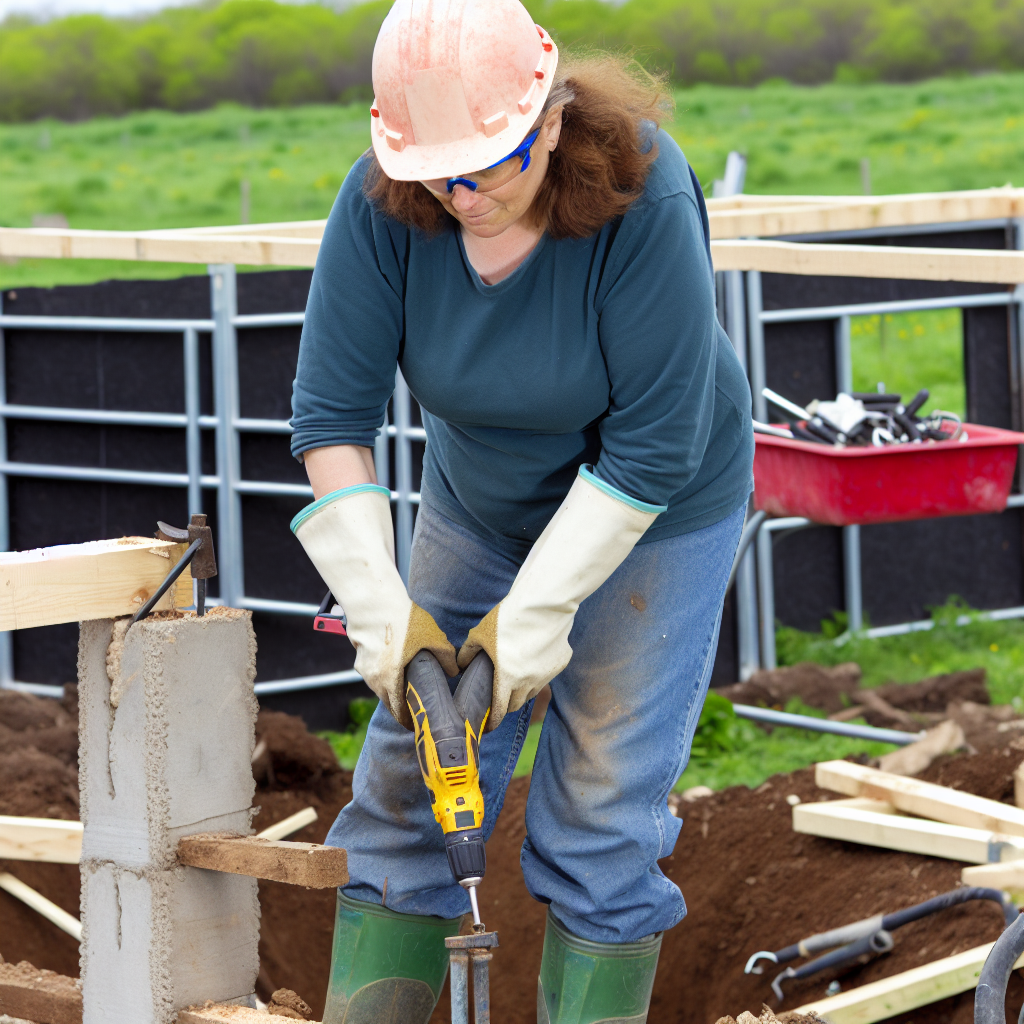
[[349, 538], [527, 634]]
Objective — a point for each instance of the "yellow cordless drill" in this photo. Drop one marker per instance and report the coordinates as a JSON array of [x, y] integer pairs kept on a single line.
[[448, 730]]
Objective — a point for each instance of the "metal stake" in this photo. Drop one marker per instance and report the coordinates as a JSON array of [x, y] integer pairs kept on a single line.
[[463, 948]]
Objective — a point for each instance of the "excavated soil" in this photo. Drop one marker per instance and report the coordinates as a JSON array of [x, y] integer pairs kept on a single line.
[[750, 882]]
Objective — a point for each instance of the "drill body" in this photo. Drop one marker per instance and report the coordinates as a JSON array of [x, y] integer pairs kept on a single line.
[[448, 728]]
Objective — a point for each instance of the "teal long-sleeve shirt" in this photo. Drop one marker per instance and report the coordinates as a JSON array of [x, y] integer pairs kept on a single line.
[[602, 350]]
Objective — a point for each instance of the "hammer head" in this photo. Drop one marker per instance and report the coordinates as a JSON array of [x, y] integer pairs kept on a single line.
[[204, 563]]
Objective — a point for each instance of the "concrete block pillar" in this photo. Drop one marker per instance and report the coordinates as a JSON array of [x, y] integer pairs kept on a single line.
[[167, 718]]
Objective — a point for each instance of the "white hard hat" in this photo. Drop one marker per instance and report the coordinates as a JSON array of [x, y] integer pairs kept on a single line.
[[458, 84]]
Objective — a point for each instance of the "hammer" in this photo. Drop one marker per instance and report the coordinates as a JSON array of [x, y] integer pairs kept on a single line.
[[199, 553]]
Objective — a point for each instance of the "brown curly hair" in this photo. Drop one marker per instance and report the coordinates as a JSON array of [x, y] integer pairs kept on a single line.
[[597, 170]]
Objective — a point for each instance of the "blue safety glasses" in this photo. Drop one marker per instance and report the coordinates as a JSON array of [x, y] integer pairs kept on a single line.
[[492, 181]]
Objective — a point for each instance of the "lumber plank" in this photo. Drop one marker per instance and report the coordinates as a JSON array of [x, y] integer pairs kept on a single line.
[[158, 246], [219, 1013], [279, 229], [843, 213], [926, 799], [40, 839], [308, 864], [1006, 875], [42, 997], [876, 823], [98, 580], [905, 991], [891, 262]]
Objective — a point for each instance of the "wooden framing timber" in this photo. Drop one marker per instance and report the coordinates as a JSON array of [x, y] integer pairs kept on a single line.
[[102, 579], [769, 216], [50, 840], [308, 864], [1007, 875], [925, 799], [158, 246], [988, 266], [906, 991], [42, 997], [876, 823], [220, 1013]]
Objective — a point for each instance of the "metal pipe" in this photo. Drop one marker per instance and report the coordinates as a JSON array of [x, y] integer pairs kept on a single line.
[[269, 320], [97, 475], [224, 302], [862, 732], [785, 316], [481, 985], [844, 356], [766, 597], [755, 345], [56, 414], [459, 962], [736, 315], [193, 435], [105, 323], [382, 455], [852, 579], [403, 476], [307, 682], [6, 639]]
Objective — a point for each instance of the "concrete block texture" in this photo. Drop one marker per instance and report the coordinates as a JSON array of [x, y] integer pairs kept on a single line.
[[167, 718]]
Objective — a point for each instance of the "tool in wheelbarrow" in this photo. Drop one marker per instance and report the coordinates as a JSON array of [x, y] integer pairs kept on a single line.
[[870, 936], [448, 728], [199, 554], [865, 419]]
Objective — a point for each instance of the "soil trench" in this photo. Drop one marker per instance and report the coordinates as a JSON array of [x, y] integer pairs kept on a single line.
[[750, 882]]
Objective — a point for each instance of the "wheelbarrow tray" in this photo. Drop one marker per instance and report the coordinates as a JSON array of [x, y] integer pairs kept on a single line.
[[847, 486]]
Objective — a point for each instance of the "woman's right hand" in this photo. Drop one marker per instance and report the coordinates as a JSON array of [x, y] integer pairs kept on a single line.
[[348, 536]]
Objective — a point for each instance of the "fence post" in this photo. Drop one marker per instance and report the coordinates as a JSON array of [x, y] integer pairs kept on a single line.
[[224, 304], [193, 435], [6, 638], [851, 534]]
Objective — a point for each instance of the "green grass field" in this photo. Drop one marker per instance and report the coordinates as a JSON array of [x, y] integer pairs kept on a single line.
[[161, 170]]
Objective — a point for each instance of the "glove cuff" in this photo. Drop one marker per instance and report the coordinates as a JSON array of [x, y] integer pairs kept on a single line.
[[329, 499]]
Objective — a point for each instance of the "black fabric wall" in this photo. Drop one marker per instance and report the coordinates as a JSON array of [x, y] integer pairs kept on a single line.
[[906, 566]]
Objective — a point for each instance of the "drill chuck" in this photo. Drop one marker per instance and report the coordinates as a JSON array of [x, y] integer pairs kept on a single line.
[[467, 856]]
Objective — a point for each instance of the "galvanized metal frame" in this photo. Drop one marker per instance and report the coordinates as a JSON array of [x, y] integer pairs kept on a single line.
[[743, 318], [228, 424], [757, 605]]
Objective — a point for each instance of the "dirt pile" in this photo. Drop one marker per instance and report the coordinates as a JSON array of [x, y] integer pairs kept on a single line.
[[750, 883]]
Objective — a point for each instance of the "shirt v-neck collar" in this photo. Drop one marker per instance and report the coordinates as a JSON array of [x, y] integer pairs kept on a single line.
[[506, 282]]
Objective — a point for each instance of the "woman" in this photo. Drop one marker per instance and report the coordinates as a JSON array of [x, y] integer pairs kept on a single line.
[[533, 253]]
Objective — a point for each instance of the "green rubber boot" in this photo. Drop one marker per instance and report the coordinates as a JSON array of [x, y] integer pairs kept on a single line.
[[386, 968], [584, 982]]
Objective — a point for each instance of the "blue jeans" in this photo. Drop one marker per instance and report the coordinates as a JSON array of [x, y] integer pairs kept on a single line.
[[615, 739]]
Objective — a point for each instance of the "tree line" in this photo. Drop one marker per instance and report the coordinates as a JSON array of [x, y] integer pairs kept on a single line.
[[264, 53]]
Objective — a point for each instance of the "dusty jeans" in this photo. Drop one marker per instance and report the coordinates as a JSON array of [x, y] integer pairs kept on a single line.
[[616, 737]]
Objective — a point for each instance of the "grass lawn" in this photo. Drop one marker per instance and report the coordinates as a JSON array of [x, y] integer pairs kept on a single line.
[[160, 170]]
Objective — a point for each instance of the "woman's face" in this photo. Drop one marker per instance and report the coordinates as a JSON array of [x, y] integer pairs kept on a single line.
[[487, 214]]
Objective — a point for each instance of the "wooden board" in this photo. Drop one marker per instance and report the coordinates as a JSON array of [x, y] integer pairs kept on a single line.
[[218, 1013], [308, 864], [158, 246], [1008, 875], [906, 991], [40, 839], [989, 266], [98, 580], [819, 214], [925, 799], [42, 997], [875, 823]]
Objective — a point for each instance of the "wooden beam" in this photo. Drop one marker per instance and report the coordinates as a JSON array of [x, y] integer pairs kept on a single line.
[[158, 246], [308, 864], [1007, 875], [280, 229], [41, 905], [98, 580], [988, 266], [850, 213], [876, 823], [906, 991], [925, 799], [219, 1013], [40, 839], [42, 997]]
